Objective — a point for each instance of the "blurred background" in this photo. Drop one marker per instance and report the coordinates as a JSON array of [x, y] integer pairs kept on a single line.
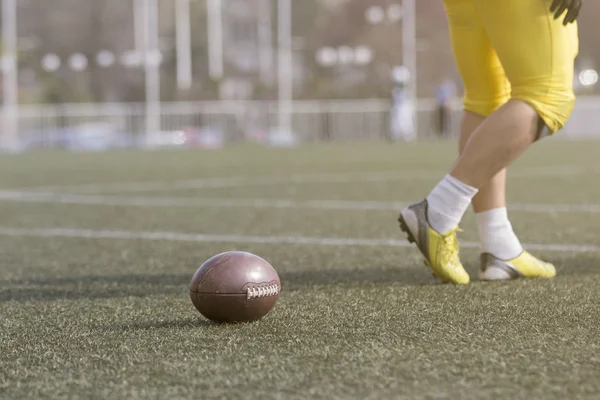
[[94, 75]]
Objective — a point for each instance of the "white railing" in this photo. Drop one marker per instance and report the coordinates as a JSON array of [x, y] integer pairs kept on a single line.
[[311, 120]]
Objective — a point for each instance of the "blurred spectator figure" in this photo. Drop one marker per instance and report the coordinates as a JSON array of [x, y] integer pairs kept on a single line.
[[402, 124], [444, 95]]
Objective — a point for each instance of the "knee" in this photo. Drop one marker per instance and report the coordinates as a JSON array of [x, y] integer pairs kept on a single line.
[[553, 103]]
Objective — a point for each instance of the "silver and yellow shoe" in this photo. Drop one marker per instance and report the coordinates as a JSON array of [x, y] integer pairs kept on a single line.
[[440, 250], [523, 266]]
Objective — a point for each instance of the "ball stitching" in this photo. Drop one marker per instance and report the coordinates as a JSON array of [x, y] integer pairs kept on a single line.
[[257, 292]]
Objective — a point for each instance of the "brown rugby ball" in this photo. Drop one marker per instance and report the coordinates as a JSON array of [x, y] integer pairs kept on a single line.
[[235, 286]]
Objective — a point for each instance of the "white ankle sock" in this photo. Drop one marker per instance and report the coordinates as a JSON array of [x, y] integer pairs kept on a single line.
[[496, 234], [448, 202]]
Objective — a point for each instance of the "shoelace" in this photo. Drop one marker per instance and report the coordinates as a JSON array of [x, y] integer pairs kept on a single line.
[[449, 252]]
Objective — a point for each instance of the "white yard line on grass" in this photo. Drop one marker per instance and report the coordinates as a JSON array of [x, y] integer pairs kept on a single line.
[[249, 181], [235, 182], [292, 240], [242, 181], [140, 201], [116, 187]]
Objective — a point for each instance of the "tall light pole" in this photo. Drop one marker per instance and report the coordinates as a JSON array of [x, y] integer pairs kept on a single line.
[[139, 25], [409, 50], [265, 41], [184, 44], [215, 38], [284, 64], [151, 60], [10, 110]]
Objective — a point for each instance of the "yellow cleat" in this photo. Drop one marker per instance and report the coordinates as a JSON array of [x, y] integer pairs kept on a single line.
[[440, 251], [523, 266]]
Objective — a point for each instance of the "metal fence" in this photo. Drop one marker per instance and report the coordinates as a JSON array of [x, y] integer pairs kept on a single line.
[[41, 125]]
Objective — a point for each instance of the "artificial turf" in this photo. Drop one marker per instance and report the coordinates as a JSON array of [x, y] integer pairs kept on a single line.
[[111, 317]]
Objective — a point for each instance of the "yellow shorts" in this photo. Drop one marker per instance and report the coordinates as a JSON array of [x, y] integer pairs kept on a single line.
[[514, 49]]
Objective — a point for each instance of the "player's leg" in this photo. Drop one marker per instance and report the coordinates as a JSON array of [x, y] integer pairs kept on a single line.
[[496, 235], [486, 89], [541, 72], [537, 53], [501, 249], [431, 224], [493, 194]]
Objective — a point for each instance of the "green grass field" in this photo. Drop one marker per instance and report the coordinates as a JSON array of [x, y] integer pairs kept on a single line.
[[96, 251]]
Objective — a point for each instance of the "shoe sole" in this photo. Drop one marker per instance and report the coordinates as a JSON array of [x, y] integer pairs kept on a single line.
[[404, 228], [411, 239]]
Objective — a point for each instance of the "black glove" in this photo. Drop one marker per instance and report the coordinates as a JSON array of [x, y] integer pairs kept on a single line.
[[573, 6]]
